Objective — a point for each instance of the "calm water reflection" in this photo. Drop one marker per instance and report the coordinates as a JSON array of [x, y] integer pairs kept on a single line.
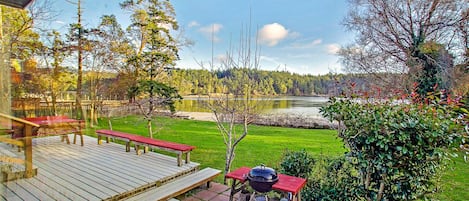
[[294, 105]]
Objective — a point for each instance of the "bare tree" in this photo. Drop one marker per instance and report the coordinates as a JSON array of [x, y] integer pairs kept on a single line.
[[390, 34], [235, 109]]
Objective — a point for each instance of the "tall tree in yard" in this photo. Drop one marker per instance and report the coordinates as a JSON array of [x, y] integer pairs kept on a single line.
[[76, 38], [155, 52], [55, 79], [106, 48], [392, 37], [18, 43]]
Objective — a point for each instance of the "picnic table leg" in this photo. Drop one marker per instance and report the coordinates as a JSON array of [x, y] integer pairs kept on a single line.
[[179, 159], [75, 138], [66, 138], [127, 146], [99, 140], [295, 197], [137, 149], [232, 192], [188, 157]]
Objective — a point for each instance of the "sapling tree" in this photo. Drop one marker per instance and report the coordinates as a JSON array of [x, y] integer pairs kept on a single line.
[[234, 109]]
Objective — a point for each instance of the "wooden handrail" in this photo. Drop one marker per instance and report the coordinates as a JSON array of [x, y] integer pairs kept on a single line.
[[27, 142], [19, 120]]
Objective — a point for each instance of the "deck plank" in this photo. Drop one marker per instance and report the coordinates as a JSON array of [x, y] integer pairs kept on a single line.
[[20, 191], [88, 178], [178, 186], [141, 172], [29, 191], [105, 166], [8, 194], [65, 181], [52, 189], [90, 172]]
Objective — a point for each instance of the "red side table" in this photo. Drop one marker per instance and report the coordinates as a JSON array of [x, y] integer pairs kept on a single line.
[[286, 183]]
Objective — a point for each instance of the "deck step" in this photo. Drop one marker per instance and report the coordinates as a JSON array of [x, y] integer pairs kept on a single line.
[[178, 186]]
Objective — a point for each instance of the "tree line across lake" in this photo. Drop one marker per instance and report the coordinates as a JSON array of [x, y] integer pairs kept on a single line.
[[262, 82]]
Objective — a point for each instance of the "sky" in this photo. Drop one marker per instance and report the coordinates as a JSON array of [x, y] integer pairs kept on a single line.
[[301, 36]]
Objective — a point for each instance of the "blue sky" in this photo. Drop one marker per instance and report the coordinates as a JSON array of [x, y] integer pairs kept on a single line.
[[300, 36]]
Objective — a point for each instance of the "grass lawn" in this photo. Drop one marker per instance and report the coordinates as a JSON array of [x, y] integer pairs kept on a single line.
[[265, 145]]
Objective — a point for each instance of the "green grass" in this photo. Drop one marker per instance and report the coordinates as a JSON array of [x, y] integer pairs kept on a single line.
[[455, 181], [266, 145], [262, 145]]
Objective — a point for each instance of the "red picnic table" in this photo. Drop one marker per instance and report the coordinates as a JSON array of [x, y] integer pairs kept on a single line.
[[58, 125], [286, 183]]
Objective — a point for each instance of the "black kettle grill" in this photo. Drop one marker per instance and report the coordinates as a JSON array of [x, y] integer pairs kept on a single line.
[[262, 178]]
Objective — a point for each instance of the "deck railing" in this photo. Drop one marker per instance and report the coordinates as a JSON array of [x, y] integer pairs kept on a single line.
[[25, 143]]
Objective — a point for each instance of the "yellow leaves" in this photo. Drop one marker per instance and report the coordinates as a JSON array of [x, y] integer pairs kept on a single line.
[[30, 65], [431, 48], [15, 65]]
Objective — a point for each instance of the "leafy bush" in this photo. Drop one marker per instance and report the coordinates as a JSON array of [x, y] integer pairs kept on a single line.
[[333, 179], [297, 163], [328, 178], [397, 148]]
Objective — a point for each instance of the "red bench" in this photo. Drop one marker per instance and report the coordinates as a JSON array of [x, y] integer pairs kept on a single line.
[[138, 140], [115, 135]]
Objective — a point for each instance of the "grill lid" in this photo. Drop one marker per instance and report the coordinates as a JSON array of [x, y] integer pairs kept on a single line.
[[262, 174]]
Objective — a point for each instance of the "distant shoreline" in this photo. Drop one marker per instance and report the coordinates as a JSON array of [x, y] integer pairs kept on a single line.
[[278, 120]]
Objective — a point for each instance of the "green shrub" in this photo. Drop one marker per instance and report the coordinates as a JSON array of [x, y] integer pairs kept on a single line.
[[333, 179], [297, 163], [397, 149]]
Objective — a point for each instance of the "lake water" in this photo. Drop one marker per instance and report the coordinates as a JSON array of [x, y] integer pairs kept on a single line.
[[290, 105]]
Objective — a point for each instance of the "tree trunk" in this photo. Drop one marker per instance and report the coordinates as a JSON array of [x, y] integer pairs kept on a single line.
[[228, 161], [78, 108], [150, 131], [54, 104], [381, 191], [109, 122], [92, 114]]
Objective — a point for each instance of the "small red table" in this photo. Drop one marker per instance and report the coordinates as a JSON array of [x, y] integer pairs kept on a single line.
[[58, 125], [285, 183]]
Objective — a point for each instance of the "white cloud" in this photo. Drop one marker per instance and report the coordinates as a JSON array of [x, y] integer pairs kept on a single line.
[[59, 22], [294, 35], [333, 48], [272, 34], [211, 31], [193, 24], [316, 42]]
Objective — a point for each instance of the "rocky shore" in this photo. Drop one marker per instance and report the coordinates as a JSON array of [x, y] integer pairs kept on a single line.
[[291, 121]]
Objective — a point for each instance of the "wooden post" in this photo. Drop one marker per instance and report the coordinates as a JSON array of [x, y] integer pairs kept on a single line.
[[28, 151]]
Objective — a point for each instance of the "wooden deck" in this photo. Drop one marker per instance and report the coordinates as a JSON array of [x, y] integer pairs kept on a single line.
[[90, 172]]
